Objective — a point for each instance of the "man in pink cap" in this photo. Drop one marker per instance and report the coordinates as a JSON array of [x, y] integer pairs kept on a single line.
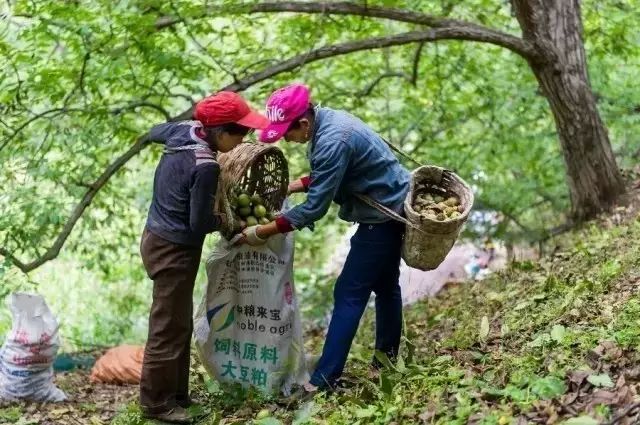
[[347, 159], [180, 215]]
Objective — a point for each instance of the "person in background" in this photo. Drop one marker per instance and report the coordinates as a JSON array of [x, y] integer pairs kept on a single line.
[[180, 215], [347, 159], [490, 249]]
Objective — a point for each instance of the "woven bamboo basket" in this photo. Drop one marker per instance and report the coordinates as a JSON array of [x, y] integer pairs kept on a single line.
[[254, 168], [426, 245]]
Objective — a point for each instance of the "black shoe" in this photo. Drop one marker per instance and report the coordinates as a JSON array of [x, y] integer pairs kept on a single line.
[[177, 415]]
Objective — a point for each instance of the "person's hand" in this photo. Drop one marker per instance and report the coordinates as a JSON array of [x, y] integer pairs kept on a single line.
[[292, 188], [250, 237], [295, 186]]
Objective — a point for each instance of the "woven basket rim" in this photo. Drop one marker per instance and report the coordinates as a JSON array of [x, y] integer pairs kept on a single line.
[[236, 170], [466, 201]]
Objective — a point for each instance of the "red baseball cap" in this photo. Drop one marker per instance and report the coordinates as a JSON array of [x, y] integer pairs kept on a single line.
[[228, 107]]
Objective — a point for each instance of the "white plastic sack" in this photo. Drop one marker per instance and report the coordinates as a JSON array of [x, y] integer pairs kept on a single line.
[[248, 327], [26, 357]]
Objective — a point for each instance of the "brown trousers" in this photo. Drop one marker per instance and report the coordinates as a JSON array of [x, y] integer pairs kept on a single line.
[[165, 369]]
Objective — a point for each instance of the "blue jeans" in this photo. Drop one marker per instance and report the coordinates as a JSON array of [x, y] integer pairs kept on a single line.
[[373, 264]]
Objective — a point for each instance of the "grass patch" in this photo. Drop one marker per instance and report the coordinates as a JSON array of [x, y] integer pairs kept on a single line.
[[490, 352]]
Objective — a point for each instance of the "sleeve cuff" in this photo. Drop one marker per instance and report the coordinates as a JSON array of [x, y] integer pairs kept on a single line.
[[306, 181], [283, 225]]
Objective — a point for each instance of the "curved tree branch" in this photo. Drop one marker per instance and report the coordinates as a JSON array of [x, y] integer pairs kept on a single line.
[[351, 47], [134, 105], [46, 114], [79, 209], [240, 85], [477, 32], [54, 112], [416, 64], [372, 85]]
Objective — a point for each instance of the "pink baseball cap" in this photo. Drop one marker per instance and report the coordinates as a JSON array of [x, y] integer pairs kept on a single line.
[[283, 107]]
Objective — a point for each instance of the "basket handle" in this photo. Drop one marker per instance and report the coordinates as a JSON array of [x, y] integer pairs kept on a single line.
[[409, 157], [387, 211], [401, 152]]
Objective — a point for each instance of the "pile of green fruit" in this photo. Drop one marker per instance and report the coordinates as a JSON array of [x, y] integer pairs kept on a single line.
[[435, 206], [249, 209]]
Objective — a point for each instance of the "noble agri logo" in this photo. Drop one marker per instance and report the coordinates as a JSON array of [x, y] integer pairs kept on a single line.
[[222, 321]]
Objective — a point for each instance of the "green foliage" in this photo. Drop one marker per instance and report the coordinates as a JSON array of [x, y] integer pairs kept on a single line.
[[626, 328], [10, 414], [449, 373], [602, 380], [130, 415], [82, 80]]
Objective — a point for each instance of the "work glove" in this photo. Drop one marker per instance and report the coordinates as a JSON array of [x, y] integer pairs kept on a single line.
[[251, 237]]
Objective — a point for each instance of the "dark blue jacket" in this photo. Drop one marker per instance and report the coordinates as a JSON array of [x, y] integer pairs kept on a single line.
[[184, 186]]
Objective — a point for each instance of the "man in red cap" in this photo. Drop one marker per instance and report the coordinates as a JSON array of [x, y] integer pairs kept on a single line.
[[180, 215]]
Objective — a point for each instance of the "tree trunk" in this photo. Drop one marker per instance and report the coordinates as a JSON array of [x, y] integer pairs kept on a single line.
[[555, 28]]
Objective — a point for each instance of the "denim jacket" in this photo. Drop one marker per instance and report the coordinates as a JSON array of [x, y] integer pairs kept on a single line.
[[347, 158]]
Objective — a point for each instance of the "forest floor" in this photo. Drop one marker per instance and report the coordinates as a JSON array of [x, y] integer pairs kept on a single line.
[[549, 342]]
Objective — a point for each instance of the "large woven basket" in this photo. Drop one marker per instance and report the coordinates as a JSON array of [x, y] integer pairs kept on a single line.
[[428, 243], [255, 168]]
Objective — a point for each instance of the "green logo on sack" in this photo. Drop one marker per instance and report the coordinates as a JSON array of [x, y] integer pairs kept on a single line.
[[221, 321]]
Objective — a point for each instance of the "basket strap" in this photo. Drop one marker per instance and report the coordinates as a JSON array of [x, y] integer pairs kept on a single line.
[[401, 152], [407, 156], [193, 147], [387, 211]]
